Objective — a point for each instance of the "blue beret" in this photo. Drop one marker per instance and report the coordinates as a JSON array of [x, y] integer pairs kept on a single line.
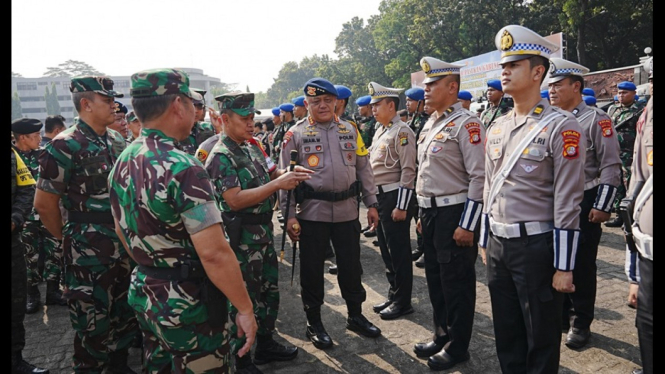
[[589, 100], [588, 92], [545, 94], [363, 100], [275, 111], [630, 86], [299, 101], [415, 93], [26, 125], [120, 107], [286, 107], [343, 92], [464, 95], [616, 98], [495, 83], [637, 97], [319, 86]]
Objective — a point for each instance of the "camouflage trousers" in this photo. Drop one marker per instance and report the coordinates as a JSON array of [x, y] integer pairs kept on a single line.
[[177, 337], [258, 264], [38, 240], [19, 294], [626, 163], [102, 319]]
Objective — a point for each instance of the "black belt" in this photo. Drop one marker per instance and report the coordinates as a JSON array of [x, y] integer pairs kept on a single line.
[[89, 217], [333, 196], [253, 218], [190, 270]]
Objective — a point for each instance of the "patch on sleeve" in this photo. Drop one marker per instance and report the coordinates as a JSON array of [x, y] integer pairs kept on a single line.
[[571, 144], [202, 155], [403, 138], [606, 126], [474, 132], [287, 137]]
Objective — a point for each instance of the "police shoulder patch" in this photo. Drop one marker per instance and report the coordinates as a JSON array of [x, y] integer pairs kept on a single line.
[[606, 127], [571, 144]]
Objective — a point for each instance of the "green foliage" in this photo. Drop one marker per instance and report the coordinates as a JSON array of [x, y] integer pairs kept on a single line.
[[71, 68], [51, 99], [17, 111]]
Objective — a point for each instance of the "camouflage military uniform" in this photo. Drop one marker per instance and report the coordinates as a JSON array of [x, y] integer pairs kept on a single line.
[[624, 120], [75, 165], [278, 136], [232, 165], [37, 239], [367, 131], [418, 122], [200, 132], [490, 113], [172, 315]]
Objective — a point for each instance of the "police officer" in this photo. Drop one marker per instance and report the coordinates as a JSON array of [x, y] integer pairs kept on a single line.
[[640, 265], [393, 160], [343, 95], [245, 181], [200, 131], [22, 191], [465, 98], [449, 192], [167, 218], [602, 175], [37, 240], [497, 103], [73, 168], [329, 207], [624, 117], [530, 224], [299, 110]]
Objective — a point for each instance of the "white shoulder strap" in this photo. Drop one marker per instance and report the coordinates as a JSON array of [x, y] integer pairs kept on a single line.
[[434, 131]]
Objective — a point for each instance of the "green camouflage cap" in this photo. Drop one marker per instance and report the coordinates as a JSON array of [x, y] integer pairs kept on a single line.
[[157, 82], [239, 102], [131, 117], [89, 83]]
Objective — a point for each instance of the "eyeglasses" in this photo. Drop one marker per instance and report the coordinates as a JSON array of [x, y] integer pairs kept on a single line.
[[199, 106]]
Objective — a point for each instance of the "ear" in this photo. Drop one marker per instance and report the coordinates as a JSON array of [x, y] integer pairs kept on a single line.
[[539, 72], [306, 103]]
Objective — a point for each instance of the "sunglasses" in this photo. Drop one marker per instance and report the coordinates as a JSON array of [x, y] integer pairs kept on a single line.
[[199, 106]]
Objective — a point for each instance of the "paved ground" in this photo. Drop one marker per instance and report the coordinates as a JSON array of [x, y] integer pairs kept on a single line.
[[613, 347]]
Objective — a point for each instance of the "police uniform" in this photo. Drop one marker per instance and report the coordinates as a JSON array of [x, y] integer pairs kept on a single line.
[[75, 166], [530, 224], [449, 192], [201, 131], [602, 175], [245, 165], [328, 210], [393, 160], [36, 238], [492, 112], [641, 191], [157, 223]]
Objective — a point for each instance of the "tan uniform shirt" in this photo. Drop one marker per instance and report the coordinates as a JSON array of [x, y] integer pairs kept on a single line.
[[336, 153], [642, 167], [452, 162], [603, 165], [393, 154]]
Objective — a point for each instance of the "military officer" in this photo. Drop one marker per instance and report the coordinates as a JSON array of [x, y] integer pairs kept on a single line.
[[286, 121], [165, 213], [602, 175], [134, 126], [120, 123], [22, 191], [37, 240], [624, 117], [465, 98], [393, 160], [299, 110], [367, 120], [73, 168], [530, 224], [329, 206], [449, 192], [343, 96], [497, 104], [245, 182], [200, 131]]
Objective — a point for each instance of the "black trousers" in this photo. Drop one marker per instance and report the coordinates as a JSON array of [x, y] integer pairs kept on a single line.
[[578, 307], [19, 293], [526, 310], [451, 278], [644, 315], [395, 244], [314, 238]]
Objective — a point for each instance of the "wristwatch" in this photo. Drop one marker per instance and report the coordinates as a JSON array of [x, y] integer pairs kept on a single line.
[[375, 205]]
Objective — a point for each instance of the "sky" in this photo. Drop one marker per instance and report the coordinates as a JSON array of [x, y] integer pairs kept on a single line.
[[245, 42]]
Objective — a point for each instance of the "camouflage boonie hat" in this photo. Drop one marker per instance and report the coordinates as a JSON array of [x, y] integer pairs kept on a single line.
[[88, 83], [158, 82], [241, 102]]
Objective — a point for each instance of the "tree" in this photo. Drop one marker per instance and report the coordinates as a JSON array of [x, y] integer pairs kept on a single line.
[[17, 111], [51, 99], [71, 68]]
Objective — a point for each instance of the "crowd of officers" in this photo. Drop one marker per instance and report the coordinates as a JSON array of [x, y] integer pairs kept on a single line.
[[159, 224]]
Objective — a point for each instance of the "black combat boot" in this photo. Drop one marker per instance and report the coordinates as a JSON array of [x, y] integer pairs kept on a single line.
[[244, 365], [315, 332], [32, 303], [53, 294], [267, 350], [118, 363], [20, 366]]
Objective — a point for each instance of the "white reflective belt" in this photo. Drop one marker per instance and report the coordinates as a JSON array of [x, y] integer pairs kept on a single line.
[[512, 230], [426, 202], [591, 184], [644, 243], [388, 187]]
